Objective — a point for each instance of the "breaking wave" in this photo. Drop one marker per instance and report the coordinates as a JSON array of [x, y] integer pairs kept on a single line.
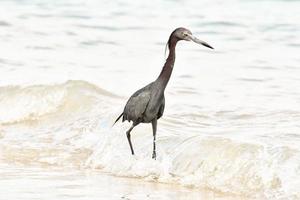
[[33, 102], [69, 125]]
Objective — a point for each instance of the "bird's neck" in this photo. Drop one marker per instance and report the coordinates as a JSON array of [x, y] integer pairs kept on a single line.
[[167, 69]]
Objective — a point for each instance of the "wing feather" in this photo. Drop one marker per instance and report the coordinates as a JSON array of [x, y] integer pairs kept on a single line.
[[137, 104]]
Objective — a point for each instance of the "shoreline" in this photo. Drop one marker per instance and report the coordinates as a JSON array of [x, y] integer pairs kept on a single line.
[[29, 183]]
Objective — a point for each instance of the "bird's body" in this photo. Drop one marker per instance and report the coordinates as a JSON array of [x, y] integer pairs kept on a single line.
[[147, 104]]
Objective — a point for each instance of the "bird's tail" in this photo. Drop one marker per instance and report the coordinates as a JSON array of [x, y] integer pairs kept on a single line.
[[118, 118]]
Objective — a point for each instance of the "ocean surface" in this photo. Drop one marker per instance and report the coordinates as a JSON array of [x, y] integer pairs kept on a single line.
[[232, 118]]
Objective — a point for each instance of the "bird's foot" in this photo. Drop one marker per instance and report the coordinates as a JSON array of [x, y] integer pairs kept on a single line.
[[154, 155]]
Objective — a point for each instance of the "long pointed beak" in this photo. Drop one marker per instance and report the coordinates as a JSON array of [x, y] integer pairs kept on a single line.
[[196, 40]]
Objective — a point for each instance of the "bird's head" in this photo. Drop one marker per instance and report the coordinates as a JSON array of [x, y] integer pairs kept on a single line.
[[185, 34]]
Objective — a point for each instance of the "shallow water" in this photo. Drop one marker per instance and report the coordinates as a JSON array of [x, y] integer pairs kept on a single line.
[[231, 122], [63, 184]]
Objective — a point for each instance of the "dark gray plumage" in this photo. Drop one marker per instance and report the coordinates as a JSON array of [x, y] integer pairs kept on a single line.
[[147, 104]]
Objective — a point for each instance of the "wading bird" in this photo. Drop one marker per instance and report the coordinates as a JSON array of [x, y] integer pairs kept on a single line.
[[147, 104]]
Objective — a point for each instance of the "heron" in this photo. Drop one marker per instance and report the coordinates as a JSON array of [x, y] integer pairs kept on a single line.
[[147, 104]]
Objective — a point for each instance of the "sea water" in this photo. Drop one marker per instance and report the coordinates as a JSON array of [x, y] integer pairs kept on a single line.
[[232, 116]]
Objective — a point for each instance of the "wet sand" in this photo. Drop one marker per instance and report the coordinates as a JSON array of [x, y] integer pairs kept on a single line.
[[36, 183]]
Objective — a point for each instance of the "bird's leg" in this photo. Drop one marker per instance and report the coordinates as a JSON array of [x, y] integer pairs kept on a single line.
[[128, 137], [154, 125]]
